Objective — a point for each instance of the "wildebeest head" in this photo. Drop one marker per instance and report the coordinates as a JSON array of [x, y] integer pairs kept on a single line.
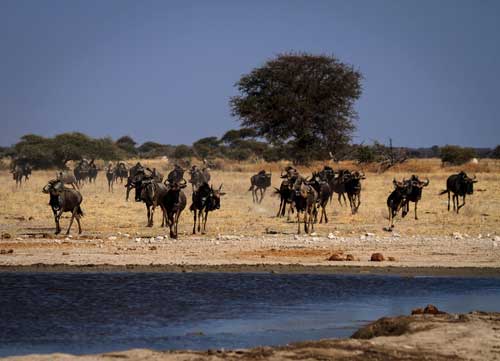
[[417, 183], [214, 198], [327, 174], [54, 186]]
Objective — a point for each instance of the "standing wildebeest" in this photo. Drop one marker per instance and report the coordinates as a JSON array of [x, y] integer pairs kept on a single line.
[[174, 202], [67, 178], [17, 174], [93, 171], [397, 199], [286, 191], [151, 192], [176, 174], [259, 182], [460, 185], [110, 176], [337, 185], [133, 171], [205, 199], [304, 198], [198, 176], [63, 199], [352, 183], [323, 190], [81, 171], [122, 172], [415, 193]]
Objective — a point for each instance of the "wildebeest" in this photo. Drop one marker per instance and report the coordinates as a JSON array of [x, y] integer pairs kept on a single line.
[[397, 199], [110, 176], [62, 200], [133, 171], [19, 171], [122, 172], [174, 202], [259, 183], [286, 191], [198, 176], [176, 174], [304, 199], [415, 193], [204, 200], [81, 171], [323, 191], [67, 178], [93, 171], [352, 184], [337, 185], [151, 192], [460, 185]]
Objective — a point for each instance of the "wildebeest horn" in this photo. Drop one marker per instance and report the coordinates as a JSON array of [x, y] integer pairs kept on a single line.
[[220, 188], [427, 181]]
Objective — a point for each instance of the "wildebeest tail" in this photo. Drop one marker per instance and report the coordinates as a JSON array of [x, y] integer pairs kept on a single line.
[[443, 192], [79, 211], [251, 188]]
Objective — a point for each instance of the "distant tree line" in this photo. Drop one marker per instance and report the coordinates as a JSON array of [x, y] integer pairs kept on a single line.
[[239, 145]]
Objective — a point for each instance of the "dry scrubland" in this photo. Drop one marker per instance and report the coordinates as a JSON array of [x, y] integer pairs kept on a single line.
[[115, 232]]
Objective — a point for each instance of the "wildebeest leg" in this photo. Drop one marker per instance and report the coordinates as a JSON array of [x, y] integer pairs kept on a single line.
[[200, 219], [306, 228], [455, 200], [177, 216], [194, 221], [73, 214], [57, 217], [148, 207], [448, 201], [78, 222], [463, 203], [205, 222], [262, 192], [416, 217], [163, 215]]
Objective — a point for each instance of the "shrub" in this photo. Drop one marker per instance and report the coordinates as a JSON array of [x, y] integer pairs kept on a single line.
[[455, 155]]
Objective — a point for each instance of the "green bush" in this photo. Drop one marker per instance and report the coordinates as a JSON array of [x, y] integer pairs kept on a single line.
[[455, 155]]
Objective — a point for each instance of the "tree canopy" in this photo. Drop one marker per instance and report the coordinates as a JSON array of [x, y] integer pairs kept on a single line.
[[303, 100]]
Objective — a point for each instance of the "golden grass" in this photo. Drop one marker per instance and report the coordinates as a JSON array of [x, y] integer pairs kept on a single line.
[[26, 209]]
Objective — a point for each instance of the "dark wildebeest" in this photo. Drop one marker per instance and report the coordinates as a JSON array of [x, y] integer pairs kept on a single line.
[[415, 193], [67, 178], [397, 199], [174, 202], [81, 171], [259, 182], [151, 192], [93, 171], [323, 190], [63, 199], [198, 176], [17, 174], [352, 183], [122, 172], [110, 176], [205, 199], [175, 175], [304, 198], [286, 191], [460, 185], [338, 185], [133, 171]]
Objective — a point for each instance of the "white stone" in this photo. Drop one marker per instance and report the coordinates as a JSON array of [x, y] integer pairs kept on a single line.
[[368, 234], [159, 238], [112, 238], [138, 239], [331, 236]]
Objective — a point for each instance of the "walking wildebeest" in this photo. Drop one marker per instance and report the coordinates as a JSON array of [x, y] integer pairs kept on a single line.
[[122, 172], [176, 174], [205, 199], [415, 194], [151, 192], [67, 178], [337, 185], [286, 191], [133, 171], [352, 183], [397, 199], [259, 182], [304, 198], [17, 174], [174, 202], [110, 176], [81, 171], [63, 199], [323, 191], [460, 185], [198, 176], [93, 171]]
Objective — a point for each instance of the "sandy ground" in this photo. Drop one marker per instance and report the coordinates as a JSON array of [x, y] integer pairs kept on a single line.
[[245, 236], [473, 336]]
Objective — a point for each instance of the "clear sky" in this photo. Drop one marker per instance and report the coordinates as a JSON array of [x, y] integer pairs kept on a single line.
[[164, 70]]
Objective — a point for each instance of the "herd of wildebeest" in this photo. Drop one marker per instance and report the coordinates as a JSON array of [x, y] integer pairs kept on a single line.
[[305, 196]]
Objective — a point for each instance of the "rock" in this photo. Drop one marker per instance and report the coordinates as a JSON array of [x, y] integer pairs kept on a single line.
[[314, 234], [296, 237], [126, 235], [331, 236], [6, 235], [396, 235], [377, 257], [391, 259], [362, 238], [159, 238], [65, 254], [31, 218], [5, 251], [457, 235], [368, 234], [153, 248], [138, 239], [349, 257], [496, 238], [112, 238], [336, 257]]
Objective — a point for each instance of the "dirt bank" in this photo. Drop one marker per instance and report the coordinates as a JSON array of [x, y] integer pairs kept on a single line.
[[473, 336]]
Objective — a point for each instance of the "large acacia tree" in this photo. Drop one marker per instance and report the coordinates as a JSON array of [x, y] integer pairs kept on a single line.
[[303, 101]]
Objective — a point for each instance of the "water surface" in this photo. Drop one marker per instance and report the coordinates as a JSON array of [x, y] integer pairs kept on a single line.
[[83, 313]]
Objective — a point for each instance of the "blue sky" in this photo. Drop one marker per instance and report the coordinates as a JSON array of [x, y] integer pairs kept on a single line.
[[164, 70]]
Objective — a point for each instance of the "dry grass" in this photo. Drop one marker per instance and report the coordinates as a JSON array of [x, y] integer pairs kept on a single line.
[[26, 210]]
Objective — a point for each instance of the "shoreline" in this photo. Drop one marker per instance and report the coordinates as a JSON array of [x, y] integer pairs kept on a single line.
[[402, 271]]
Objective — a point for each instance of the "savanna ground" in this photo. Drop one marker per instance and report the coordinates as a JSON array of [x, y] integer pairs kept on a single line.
[[243, 233]]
